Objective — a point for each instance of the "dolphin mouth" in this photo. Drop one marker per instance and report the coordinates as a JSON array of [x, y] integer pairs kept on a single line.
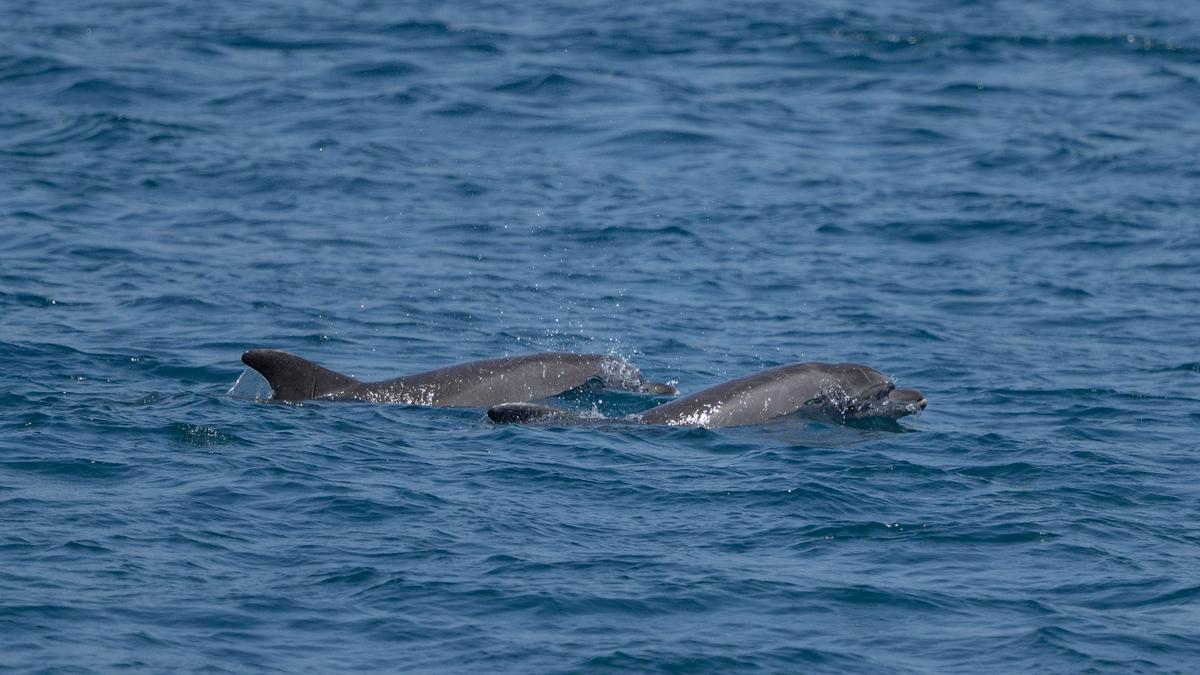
[[909, 399]]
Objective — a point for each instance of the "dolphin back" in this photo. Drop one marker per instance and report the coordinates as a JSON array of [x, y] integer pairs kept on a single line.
[[815, 387], [513, 379], [293, 378], [465, 385]]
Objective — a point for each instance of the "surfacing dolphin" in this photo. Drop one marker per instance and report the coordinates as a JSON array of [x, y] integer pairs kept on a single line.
[[477, 384], [833, 391]]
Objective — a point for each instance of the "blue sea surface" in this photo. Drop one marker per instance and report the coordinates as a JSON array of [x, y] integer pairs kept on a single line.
[[995, 203]]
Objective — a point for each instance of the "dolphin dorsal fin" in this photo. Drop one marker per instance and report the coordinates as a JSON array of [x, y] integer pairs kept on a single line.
[[293, 378]]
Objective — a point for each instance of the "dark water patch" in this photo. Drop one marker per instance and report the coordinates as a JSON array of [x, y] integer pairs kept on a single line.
[[31, 421], [933, 232], [940, 110], [351, 509], [201, 436], [256, 97], [436, 36], [634, 234], [100, 131], [169, 303], [848, 530], [1008, 470], [20, 613], [28, 216], [1071, 396], [668, 661], [276, 482], [463, 109], [352, 576], [104, 92], [470, 189], [974, 89], [543, 478], [998, 534], [194, 541], [658, 143], [73, 468], [1105, 244], [552, 84], [168, 369], [1065, 292], [1084, 650], [15, 69], [1079, 414], [251, 41], [418, 29], [892, 599], [632, 45], [1118, 44], [101, 253], [81, 547], [382, 70], [28, 300], [1150, 595], [912, 135]]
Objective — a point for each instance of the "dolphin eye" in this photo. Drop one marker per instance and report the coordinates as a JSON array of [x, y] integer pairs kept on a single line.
[[882, 394]]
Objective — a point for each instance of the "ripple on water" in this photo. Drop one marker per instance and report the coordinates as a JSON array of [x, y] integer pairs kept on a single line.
[[74, 468], [660, 143]]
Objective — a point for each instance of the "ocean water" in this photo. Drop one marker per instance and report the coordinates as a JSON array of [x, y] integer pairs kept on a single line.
[[995, 203]]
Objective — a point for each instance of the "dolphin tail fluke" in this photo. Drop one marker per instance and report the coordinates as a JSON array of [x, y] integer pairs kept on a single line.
[[293, 378], [526, 413]]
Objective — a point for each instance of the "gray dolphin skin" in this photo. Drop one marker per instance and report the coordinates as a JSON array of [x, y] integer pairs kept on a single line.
[[836, 391], [477, 384]]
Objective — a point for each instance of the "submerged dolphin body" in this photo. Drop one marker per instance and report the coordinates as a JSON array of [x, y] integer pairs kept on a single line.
[[838, 391], [476, 384]]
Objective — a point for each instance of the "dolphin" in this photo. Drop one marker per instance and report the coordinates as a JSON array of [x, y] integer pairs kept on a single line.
[[476, 384], [837, 391]]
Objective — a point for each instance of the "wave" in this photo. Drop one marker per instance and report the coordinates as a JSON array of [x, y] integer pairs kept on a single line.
[[23, 70]]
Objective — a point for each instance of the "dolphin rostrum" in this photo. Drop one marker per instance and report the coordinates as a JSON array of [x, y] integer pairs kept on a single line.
[[838, 391], [476, 384]]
